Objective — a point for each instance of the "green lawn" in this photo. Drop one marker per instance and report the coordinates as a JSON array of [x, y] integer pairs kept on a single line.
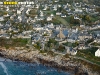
[[95, 44], [89, 54], [62, 20], [70, 44], [68, 19], [58, 19], [50, 12], [95, 18], [19, 42], [2, 12]]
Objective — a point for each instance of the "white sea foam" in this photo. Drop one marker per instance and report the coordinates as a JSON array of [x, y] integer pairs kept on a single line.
[[4, 67], [8, 60], [2, 59]]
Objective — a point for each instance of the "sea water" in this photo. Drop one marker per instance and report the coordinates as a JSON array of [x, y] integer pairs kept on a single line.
[[9, 67]]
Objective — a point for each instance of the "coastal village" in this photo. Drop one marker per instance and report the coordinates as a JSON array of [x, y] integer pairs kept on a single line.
[[64, 28]]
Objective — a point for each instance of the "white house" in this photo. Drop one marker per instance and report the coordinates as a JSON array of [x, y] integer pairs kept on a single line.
[[98, 25], [7, 8], [11, 17], [77, 4], [37, 6], [70, 50], [63, 15], [50, 25], [82, 25], [7, 15], [1, 19], [41, 13], [45, 7], [22, 8], [71, 40], [59, 5], [49, 18], [97, 53], [52, 15], [36, 16], [55, 7], [58, 13], [1, 2], [78, 10], [20, 18], [77, 18], [97, 39], [56, 0], [28, 10], [18, 12], [38, 28]]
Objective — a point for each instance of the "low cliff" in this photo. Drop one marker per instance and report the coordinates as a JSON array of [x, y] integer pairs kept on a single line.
[[57, 61]]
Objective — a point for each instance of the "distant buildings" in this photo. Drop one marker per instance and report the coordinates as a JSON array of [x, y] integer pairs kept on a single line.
[[38, 19]]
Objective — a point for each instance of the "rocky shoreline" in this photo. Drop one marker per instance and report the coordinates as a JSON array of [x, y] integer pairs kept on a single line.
[[34, 56]]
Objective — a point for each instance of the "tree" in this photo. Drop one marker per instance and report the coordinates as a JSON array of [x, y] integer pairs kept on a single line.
[[38, 46], [87, 17], [51, 43], [74, 21], [61, 48], [76, 43], [98, 9]]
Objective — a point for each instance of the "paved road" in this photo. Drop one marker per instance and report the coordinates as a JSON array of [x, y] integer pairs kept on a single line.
[[92, 45], [23, 14]]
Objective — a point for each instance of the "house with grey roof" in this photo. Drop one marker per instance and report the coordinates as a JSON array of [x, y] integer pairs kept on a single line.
[[70, 50], [97, 39], [84, 35]]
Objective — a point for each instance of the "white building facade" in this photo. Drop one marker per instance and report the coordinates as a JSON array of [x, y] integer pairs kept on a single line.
[[97, 53]]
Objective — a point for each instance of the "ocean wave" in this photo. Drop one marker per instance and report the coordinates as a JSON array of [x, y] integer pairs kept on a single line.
[[4, 68]]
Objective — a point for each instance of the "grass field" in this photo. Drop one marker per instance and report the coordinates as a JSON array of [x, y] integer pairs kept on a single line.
[[62, 20], [19, 42], [89, 54]]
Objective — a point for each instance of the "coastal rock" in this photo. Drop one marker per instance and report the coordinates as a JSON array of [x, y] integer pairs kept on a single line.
[[35, 56]]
